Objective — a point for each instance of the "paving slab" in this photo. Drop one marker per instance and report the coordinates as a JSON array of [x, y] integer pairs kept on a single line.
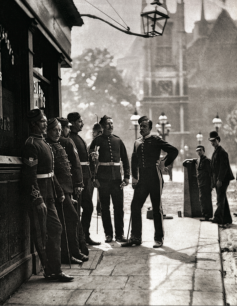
[[209, 261], [140, 297], [208, 281], [208, 298], [140, 269], [181, 269]]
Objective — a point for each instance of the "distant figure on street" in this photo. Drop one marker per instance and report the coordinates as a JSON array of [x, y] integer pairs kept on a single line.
[[86, 201], [147, 180], [42, 188], [203, 172], [111, 150], [66, 211], [221, 177], [77, 175]]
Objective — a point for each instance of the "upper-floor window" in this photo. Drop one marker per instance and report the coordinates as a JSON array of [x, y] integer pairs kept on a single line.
[[164, 56]]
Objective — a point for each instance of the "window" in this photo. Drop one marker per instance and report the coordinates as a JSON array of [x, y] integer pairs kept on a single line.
[[163, 56]]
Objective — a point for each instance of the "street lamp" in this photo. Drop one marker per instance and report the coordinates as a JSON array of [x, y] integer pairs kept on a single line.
[[154, 18], [199, 137], [217, 122], [134, 119], [186, 148], [163, 126]]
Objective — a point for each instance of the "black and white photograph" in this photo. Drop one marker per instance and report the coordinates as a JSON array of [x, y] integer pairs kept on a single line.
[[118, 152]]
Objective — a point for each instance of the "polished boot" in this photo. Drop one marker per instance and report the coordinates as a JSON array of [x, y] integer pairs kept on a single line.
[[92, 242]]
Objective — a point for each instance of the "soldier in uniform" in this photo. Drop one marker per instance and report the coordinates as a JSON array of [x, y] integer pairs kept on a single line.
[[77, 175], [203, 171], [41, 187], [86, 200], [221, 177], [148, 180], [66, 212], [111, 150]]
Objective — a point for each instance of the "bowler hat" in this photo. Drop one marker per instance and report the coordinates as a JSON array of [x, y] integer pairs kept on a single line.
[[73, 116], [64, 121], [213, 135], [52, 123]]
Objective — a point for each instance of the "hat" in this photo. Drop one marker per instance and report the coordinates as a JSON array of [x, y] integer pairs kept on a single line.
[[143, 118], [35, 115], [73, 116], [64, 121], [103, 119], [213, 135], [97, 127], [200, 147], [52, 123]]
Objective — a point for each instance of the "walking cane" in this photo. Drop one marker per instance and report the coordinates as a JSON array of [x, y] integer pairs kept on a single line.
[[129, 226], [69, 257]]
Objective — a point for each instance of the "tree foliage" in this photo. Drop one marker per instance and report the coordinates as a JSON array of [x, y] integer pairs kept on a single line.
[[230, 132], [96, 87]]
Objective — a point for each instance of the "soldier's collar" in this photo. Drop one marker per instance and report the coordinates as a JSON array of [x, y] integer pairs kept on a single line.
[[37, 136], [147, 136]]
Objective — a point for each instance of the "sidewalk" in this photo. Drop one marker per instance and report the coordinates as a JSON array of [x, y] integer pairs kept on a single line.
[[185, 271]]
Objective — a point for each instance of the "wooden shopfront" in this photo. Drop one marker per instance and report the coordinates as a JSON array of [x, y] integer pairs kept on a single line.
[[35, 43]]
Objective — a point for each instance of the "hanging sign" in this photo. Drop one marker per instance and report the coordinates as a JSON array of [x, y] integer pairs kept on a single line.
[[4, 37]]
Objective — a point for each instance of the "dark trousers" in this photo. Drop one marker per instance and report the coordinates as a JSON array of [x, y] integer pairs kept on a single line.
[[205, 201], [46, 231], [71, 220], [111, 188], [150, 183], [222, 213], [87, 205]]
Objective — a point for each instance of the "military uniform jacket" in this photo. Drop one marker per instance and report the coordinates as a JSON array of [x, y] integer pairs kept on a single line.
[[203, 170], [76, 170], [220, 166], [62, 167], [147, 151], [37, 158], [83, 153], [112, 149]]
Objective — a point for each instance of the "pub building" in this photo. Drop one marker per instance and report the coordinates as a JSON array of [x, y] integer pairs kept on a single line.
[[35, 43]]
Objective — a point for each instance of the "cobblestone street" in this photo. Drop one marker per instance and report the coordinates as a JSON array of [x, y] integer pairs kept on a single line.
[[187, 270]]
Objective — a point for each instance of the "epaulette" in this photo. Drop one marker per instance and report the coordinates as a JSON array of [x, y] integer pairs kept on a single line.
[[115, 136], [30, 140], [156, 137]]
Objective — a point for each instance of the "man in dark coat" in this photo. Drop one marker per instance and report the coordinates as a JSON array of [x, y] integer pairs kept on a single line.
[[66, 211], [148, 180], [86, 199], [203, 171], [77, 175], [109, 149], [221, 177], [42, 188]]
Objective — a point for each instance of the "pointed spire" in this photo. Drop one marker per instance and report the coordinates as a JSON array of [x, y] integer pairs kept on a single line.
[[203, 12]]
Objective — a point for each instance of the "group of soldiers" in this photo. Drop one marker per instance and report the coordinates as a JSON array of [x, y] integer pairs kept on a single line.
[[60, 172]]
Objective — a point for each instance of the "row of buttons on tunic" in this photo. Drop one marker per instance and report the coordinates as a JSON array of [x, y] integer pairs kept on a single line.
[[143, 161], [110, 148]]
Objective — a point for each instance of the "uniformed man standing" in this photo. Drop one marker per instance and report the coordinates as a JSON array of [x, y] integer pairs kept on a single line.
[[148, 180], [221, 177], [66, 211], [86, 200], [203, 171], [111, 150], [77, 175], [41, 187]]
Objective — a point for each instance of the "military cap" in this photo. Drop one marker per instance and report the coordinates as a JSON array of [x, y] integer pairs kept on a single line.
[[64, 121], [52, 123], [35, 115], [97, 127], [73, 116], [103, 119], [143, 118], [200, 147], [214, 135]]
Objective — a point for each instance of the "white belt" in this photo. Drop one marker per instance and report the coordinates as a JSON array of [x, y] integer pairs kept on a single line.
[[85, 163], [109, 164], [41, 176]]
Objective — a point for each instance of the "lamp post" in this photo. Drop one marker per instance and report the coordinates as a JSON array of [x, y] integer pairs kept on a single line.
[[134, 119], [199, 137], [186, 149], [154, 18], [217, 122], [163, 126]]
